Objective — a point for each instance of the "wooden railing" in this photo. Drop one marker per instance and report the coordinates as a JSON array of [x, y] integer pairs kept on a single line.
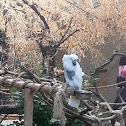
[[30, 88]]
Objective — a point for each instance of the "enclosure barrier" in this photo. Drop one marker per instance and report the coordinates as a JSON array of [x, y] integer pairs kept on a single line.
[[30, 88]]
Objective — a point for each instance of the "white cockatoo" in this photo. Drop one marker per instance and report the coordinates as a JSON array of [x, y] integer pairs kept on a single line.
[[73, 76]]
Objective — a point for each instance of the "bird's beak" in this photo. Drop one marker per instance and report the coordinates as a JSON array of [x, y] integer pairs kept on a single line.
[[74, 62]]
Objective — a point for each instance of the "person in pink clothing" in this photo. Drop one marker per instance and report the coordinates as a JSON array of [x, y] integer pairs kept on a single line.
[[121, 87], [120, 78], [122, 71]]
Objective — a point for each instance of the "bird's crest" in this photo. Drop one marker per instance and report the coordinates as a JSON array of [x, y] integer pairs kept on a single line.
[[73, 52]]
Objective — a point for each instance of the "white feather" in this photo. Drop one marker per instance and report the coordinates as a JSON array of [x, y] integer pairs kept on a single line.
[[73, 102], [67, 65], [76, 80], [67, 62]]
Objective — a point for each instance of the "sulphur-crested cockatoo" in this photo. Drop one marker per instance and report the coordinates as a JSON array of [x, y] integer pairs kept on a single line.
[[73, 76]]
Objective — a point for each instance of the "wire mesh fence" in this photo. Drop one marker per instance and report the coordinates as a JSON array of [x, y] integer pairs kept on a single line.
[[7, 106], [35, 33]]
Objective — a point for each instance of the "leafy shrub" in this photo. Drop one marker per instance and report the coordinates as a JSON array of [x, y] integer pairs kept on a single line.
[[42, 113]]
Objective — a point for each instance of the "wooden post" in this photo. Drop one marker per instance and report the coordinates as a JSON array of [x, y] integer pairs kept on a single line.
[[28, 107]]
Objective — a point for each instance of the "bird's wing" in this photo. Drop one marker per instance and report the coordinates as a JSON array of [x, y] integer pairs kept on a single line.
[[70, 74]]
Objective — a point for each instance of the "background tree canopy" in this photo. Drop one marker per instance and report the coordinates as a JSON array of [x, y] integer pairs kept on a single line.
[[33, 31], [95, 20]]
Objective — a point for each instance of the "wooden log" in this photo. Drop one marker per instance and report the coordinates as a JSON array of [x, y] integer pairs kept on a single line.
[[28, 108], [19, 84]]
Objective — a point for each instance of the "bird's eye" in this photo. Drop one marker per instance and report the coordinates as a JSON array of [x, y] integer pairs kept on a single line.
[[74, 62]]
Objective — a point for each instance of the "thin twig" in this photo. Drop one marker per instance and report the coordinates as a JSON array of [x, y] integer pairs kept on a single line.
[[66, 31], [107, 86], [99, 93], [64, 39]]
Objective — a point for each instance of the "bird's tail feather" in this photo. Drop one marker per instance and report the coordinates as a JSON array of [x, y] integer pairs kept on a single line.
[[73, 102]]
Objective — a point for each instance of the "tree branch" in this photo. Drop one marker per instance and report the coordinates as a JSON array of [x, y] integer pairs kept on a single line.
[[99, 93], [33, 76], [66, 31], [38, 13], [64, 39], [110, 60]]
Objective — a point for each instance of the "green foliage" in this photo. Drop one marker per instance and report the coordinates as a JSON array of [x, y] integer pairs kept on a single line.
[[74, 122], [42, 113], [91, 77], [78, 123]]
